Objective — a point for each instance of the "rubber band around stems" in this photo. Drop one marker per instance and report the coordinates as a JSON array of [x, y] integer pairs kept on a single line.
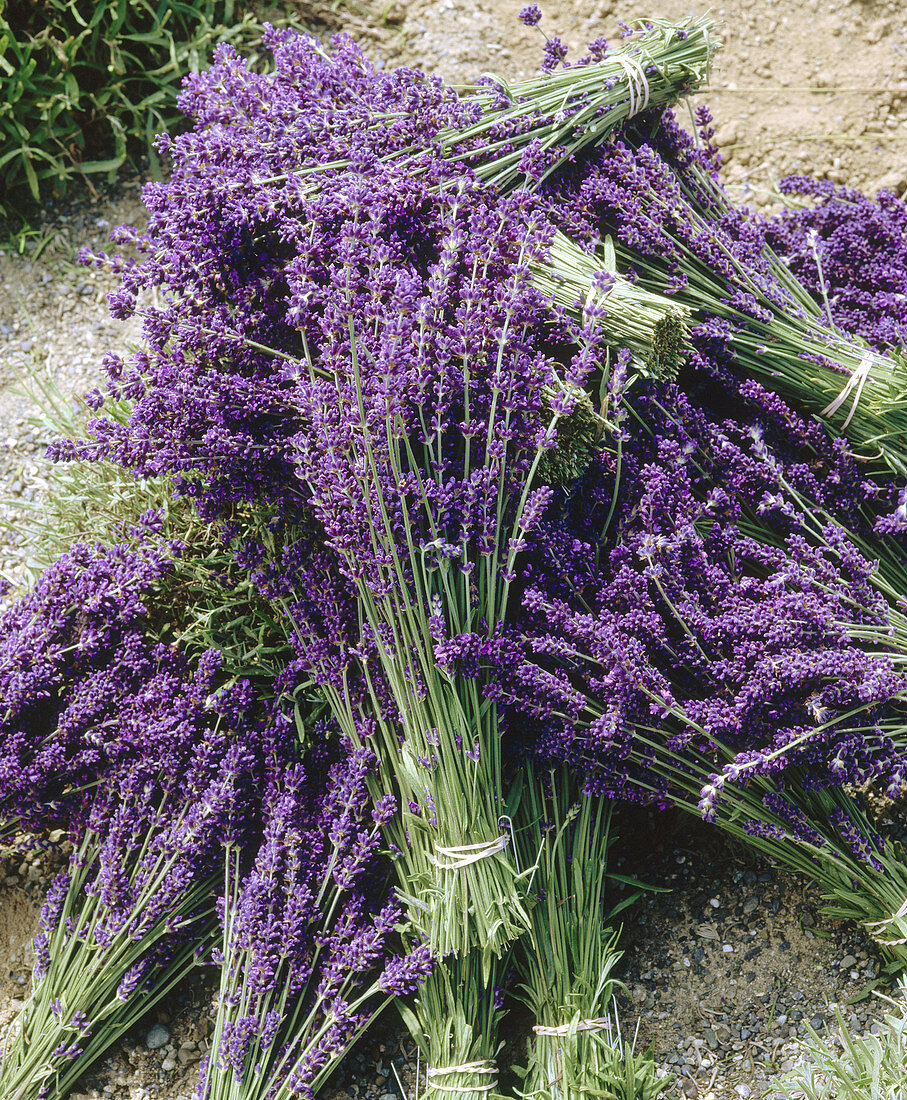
[[639, 84], [859, 379], [486, 1068], [467, 854], [600, 1023]]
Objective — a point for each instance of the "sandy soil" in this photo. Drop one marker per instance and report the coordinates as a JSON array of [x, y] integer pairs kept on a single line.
[[800, 85]]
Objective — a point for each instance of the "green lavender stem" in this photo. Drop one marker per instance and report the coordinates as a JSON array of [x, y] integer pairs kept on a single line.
[[83, 979], [566, 960], [454, 1022]]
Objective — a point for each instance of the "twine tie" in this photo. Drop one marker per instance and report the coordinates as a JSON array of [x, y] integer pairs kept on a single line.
[[859, 379], [600, 1023], [639, 84], [467, 854], [485, 1068]]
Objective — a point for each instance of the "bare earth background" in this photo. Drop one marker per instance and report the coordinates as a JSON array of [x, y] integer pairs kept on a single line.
[[722, 972]]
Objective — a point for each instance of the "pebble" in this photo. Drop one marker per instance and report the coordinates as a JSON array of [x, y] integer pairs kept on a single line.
[[157, 1037]]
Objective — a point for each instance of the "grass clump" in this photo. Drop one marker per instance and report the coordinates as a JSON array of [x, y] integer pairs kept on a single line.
[[84, 83]]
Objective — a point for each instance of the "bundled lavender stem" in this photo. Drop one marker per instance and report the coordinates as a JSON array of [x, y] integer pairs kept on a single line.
[[672, 224], [309, 958], [524, 131], [455, 1022], [421, 470], [134, 913], [565, 962]]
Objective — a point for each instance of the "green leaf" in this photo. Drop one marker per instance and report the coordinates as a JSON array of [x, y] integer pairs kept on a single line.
[[863, 994], [90, 167], [4, 64], [31, 176], [99, 12]]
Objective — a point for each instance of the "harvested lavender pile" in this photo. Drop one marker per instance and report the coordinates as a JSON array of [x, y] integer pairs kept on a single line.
[[507, 473]]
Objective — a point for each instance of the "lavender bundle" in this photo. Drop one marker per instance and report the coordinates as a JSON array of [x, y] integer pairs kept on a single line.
[[455, 1022], [308, 958], [149, 767], [662, 622], [672, 224], [565, 963], [687, 661], [135, 911], [503, 133], [421, 472], [524, 131]]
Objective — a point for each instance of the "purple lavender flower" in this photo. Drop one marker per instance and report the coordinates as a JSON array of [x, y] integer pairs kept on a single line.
[[855, 248], [307, 936], [554, 55]]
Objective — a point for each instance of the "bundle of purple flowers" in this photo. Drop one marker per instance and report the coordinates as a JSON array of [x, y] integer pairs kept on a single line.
[[496, 545]]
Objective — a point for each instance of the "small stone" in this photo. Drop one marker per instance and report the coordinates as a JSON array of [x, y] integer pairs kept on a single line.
[[749, 905], [168, 1064], [157, 1037], [847, 962], [871, 971], [817, 1023], [711, 1038], [742, 1090], [727, 948]]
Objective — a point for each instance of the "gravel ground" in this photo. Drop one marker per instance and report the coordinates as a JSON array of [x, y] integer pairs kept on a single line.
[[53, 319], [723, 972]]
